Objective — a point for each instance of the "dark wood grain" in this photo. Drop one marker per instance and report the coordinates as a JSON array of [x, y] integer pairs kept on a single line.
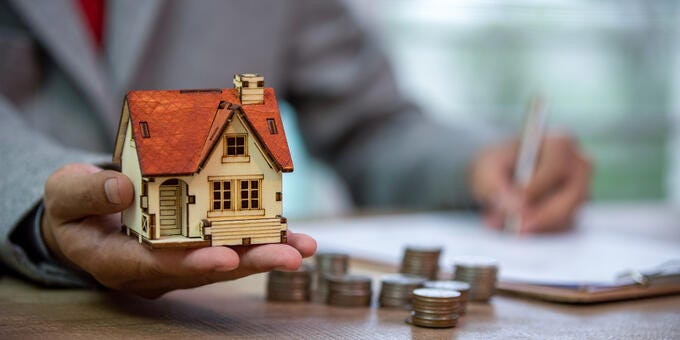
[[238, 309]]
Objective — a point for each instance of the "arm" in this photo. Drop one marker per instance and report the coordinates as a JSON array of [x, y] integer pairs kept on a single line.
[[81, 225], [390, 154], [28, 159], [353, 116]]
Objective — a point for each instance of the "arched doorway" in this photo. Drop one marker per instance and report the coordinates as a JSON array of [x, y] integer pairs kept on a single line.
[[173, 207]]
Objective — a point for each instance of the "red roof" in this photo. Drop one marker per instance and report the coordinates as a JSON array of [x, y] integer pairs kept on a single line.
[[185, 125]]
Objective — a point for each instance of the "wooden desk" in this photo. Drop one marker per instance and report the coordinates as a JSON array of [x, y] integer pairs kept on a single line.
[[238, 309]]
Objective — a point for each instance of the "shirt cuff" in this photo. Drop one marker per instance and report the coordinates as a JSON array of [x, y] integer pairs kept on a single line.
[[31, 258], [39, 246]]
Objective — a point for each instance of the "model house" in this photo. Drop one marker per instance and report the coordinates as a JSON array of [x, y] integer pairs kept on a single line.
[[206, 165]]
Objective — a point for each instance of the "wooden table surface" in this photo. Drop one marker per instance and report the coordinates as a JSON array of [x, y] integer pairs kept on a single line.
[[239, 309]]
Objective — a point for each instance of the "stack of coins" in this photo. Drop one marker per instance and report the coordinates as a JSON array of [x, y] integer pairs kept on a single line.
[[480, 272], [349, 290], [462, 287], [421, 261], [434, 308], [328, 264], [397, 288], [289, 286]]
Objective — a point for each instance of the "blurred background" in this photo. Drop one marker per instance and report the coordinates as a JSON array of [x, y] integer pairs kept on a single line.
[[609, 69]]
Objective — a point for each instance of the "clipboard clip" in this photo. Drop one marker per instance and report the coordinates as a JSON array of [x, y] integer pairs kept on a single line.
[[668, 271], [636, 276]]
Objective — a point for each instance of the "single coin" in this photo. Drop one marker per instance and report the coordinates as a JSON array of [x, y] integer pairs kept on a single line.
[[436, 293]]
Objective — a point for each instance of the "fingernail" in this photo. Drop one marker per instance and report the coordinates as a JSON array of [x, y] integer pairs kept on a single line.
[[224, 268], [111, 190]]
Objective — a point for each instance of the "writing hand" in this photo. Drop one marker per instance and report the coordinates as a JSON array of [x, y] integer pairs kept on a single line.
[[559, 186]]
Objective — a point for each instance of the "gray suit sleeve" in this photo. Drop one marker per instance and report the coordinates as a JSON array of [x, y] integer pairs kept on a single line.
[[353, 116], [28, 159]]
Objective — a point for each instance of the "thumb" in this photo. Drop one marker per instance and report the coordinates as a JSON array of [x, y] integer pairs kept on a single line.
[[79, 190]]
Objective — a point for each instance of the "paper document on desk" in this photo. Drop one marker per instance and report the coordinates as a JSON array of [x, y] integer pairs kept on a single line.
[[584, 255]]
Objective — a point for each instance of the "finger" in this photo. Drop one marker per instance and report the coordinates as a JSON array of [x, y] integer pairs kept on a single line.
[[255, 259], [554, 159], [271, 256], [494, 219], [558, 209], [263, 258], [492, 172], [508, 202], [303, 243], [123, 259], [80, 190], [224, 259], [194, 261], [188, 262]]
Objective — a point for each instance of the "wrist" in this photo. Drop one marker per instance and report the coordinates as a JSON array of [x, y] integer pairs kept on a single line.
[[50, 245]]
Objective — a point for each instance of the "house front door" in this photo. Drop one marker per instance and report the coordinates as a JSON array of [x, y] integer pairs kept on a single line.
[[172, 207]]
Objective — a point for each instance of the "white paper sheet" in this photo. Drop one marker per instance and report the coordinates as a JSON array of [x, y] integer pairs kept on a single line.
[[587, 254]]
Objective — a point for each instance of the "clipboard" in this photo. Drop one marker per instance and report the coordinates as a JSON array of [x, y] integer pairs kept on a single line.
[[658, 281], [604, 243]]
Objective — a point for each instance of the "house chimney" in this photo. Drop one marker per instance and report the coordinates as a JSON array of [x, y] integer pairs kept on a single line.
[[250, 87]]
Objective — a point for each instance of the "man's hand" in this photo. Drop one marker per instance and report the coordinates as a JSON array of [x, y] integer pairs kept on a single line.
[[557, 189], [81, 226]]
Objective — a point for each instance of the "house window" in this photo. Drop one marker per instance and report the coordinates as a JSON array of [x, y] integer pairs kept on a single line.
[[235, 196], [145, 129], [272, 126], [221, 195], [235, 145], [250, 194]]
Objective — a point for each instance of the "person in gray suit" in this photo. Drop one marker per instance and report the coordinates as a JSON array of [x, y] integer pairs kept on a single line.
[[61, 94]]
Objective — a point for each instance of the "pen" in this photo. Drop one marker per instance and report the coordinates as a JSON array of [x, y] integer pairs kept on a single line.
[[530, 143]]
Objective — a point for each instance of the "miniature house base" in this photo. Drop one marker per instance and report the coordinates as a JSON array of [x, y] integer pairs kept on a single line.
[[206, 167]]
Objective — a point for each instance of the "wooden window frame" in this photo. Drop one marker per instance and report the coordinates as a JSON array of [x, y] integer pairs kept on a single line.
[[245, 144], [249, 190], [144, 128], [271, 124], [236, 196], [222, 191], [144, 197]]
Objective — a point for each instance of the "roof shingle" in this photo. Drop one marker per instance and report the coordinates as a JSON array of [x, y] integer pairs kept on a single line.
[[184, 126]]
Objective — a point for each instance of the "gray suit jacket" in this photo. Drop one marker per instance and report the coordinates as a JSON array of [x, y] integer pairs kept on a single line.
[[61, 99]]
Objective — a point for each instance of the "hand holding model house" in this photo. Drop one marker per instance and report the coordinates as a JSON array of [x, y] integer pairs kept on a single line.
[[81, 226], [198, 170]]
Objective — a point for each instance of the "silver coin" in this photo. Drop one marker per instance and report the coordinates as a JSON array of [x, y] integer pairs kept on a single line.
[[402, 279], [431, 324], [435, 293], [475, 261], [450, 285]]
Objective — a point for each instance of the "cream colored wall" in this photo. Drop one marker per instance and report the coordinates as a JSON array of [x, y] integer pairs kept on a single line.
[[258, 165], [152, 191], [132, 216]]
